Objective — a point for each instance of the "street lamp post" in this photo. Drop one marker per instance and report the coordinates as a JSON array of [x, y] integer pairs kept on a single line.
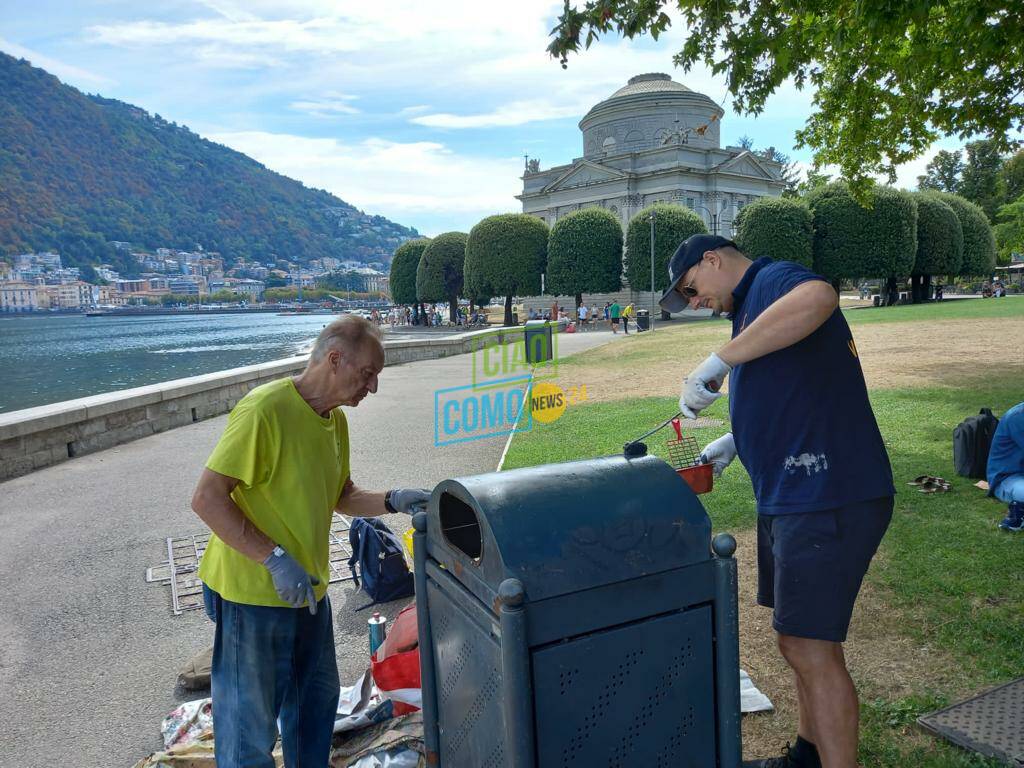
[[650, 319]]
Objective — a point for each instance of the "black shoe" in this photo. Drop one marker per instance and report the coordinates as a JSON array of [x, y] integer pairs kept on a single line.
[[803, 755]]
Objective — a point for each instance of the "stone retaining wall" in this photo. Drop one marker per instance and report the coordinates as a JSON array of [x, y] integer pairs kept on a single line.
[[39, 437]]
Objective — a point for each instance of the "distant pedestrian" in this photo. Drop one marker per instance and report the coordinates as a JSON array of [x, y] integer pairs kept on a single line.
[[627, 313], [268, 493], [582, 314], [614, 313]]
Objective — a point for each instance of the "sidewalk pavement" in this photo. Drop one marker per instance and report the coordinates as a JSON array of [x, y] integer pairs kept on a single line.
[[89, 652]]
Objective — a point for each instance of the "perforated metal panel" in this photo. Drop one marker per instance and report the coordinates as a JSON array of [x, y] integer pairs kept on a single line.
[[989, 724], [469, 697], [637, 695]]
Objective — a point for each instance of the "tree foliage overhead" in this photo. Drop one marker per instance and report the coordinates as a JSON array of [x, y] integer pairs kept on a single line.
[[777, 227], [888, 78], [940, 238], [403, 270], [78, 171], [851, 241], [979, 241], [585, 253], [439, 274], [506, 254], [672, 225]]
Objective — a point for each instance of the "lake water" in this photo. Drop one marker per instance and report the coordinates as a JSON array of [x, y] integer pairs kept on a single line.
[[49, 358]]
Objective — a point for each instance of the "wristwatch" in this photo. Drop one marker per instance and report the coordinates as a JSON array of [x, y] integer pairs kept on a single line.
[[387, 503]]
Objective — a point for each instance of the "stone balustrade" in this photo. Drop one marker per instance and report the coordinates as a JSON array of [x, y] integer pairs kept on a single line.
[[40, 437]]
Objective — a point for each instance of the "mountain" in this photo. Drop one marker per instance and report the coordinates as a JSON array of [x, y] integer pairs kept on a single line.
[[79, 171]]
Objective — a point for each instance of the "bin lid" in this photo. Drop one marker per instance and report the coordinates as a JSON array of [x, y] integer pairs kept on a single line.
[[562, 528]]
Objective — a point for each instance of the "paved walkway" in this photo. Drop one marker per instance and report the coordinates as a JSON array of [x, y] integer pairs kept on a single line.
[[88, 651]]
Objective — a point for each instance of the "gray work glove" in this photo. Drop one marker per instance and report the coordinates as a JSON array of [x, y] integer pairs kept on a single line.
[[408, 500], [720, 452], [700, 388], [291, 581]]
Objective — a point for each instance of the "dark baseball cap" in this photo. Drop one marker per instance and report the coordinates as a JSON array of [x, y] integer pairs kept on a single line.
[[689, 252]]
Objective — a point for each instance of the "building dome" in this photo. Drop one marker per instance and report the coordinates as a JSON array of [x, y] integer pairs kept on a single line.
[[652, 82], [648, 112]]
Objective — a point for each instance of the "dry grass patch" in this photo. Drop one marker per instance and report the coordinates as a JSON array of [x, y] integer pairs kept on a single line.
[[893, 355]]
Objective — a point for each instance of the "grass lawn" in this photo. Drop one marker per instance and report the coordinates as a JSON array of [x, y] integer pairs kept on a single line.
[[948, 577], [951, 309]]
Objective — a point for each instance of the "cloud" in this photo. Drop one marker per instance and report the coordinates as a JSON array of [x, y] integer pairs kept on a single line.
[[516, 113], [332, 104], [66, 72], [414, 110], [414, 183]]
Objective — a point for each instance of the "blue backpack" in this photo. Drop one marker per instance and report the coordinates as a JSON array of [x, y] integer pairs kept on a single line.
[[378, 552]]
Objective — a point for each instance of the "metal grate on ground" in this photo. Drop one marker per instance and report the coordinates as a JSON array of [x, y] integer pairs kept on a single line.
[[179, 570], [989, 723]]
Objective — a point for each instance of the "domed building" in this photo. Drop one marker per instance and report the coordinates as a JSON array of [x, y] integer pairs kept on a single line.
[[653, 140]]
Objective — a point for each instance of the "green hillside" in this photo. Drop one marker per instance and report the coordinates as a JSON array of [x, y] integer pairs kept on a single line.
[[78, 171]]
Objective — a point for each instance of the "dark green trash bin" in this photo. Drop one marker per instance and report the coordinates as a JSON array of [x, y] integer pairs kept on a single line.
[[643, 320], [538, 336]]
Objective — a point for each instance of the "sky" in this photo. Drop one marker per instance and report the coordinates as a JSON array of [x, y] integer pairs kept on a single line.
[[417, 110]]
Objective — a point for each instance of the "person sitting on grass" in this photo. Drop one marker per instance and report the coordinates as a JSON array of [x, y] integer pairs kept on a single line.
[[1006, 467]]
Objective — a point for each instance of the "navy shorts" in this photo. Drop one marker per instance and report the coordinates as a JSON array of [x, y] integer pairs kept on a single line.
[[810, 566]]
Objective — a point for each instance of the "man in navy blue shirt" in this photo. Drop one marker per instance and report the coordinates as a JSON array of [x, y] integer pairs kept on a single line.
[[804, 429]]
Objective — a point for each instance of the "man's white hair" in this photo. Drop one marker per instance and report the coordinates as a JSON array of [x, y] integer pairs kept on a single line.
[[346, 334]]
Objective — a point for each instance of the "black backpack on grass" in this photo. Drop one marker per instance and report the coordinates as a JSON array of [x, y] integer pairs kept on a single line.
[[972, 439]]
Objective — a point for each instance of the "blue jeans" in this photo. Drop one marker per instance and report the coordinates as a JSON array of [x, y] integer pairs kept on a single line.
[[1010, 489], [271, 665]]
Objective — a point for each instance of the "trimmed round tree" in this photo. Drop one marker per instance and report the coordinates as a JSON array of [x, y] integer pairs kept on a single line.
[[403, 272], [506, 255], [778, 227], [672, 225], [439, 274], [979, 241], [940, 243], [851, 241], [585, 254]]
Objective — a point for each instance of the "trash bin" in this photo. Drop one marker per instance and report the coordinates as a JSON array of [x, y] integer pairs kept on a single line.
[[537, 335], [643, 320], [576, 614]]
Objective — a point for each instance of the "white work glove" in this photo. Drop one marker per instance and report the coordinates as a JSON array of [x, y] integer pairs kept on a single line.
[[700, 388], [720, 452]]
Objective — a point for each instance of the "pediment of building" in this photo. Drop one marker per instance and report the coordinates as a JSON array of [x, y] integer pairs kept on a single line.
[[585, 173], [745, 164]]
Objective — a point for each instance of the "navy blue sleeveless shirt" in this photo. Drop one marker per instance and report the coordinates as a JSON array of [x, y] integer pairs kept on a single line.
[[803, 426]]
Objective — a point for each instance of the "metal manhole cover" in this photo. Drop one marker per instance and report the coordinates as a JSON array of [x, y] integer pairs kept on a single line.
[[989, 723], [179, 570]]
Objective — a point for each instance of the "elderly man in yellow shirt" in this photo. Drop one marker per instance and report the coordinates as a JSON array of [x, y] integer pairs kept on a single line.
[[268, 493]]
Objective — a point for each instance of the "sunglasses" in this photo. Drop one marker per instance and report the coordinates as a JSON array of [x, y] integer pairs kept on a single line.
[[688, 291]]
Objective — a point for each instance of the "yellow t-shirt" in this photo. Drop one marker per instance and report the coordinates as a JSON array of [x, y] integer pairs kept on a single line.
[[291, 465]]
